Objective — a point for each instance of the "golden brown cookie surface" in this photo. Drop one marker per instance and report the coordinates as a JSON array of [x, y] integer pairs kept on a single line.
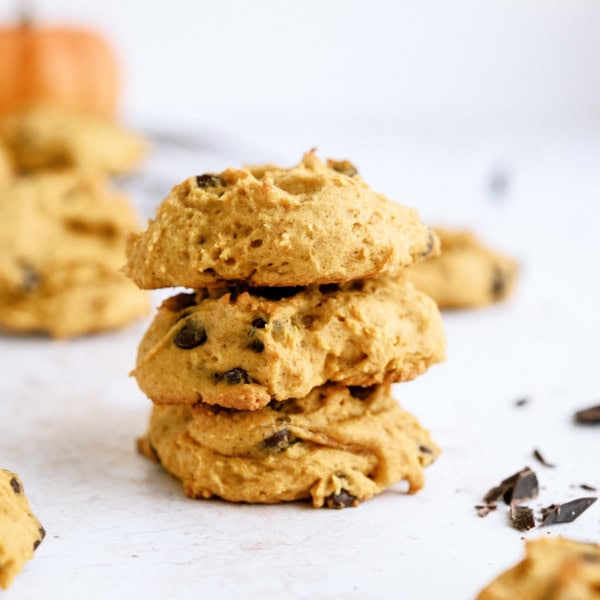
[[336, 446], [20, 532], [51, 138], [467, 274], [6, 167], [553, 568], [62, 243], [270, 226], [242, 349]]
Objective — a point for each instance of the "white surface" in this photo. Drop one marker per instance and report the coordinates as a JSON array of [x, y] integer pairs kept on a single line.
[[118, 527]]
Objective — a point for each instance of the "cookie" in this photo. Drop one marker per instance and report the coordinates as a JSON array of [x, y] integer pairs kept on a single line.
[[20, 532], [268, 226], [6, 169], [51, 138], [336, 446], [467, 274], [553, 568], [243, 348], [62, 243]]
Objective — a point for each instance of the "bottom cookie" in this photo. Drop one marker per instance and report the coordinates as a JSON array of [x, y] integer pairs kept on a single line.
[[553, 568], [20, 532], [466, 275], [336, 446]]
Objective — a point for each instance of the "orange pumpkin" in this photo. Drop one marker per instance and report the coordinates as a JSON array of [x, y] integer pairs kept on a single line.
[[63, 66]]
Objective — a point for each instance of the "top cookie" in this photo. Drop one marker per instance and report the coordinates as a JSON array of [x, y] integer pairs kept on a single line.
[[51, 138], [268, 226]]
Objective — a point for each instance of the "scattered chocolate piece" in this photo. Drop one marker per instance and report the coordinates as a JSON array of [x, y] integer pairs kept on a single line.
[[514, 489], [522, 401], [588, 416], [341, 500], [483, 510], [361, 392], [521, 517], [208, 180], [257, 345], [588, 488], [191, 335], [565, 513], [538, 456], [234, 376], [425, 449], [280, 440], [15, 485], [259, 323]]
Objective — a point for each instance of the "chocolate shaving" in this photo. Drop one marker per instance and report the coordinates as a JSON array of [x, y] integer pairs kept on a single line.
[[483, 510], [514, 489], [565, 513], [588, 416], [521, 517], [588, 488], [522, 401], [538, 456]]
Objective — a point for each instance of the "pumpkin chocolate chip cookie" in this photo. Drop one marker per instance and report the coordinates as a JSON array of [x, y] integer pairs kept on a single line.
[[20, 532], [62, 242], [467, 274], [52, 138], [336, 446], [6, 170], [268, 226], [552, 568], [243, 347]]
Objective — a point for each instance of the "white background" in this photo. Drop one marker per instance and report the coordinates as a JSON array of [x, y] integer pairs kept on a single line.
[[433, 101]]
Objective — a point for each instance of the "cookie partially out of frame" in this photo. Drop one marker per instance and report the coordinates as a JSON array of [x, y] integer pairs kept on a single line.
[[467, 274], [553, 568], [268, 226], [6, 167], [62, 243], [337, 446], [243, 348], [49, 138], [20, 532]]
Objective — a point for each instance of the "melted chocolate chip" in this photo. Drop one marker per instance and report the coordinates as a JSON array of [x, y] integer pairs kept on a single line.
[[208, 180], [498, 282], [521, 517], [567, 512], [257, 345], [279, 441], [234, 376], [341, 500], [191, 335], [15, 485], [259, 323]]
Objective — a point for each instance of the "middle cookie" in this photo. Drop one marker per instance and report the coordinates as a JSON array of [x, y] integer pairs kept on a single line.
[[243, 348]]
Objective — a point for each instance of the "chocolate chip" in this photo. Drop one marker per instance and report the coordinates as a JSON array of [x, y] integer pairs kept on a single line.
[[15, 485], [234, 376], [498, 282], [361, 392], [537, 455], [257, 346], [329, 288], [279, 441], [345, 167], [521, 517], [36, 544], [341, 500], [191, 335], [259, 323], [565, 513], [514, 489], [588, 416], [209, 180], [588, 488], [425, 449], [179, 302]]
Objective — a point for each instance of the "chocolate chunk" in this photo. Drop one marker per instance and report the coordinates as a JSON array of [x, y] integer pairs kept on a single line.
[[257, 345], [191, 335], [208, 180], [483, 510], [179, 302], [425, 449], [565, 513], [234, 376], [279, 441], [361, 392], [521, 517], [329, 288], [498, 282], [588, 416], [514, 489], [15, 485], [341, 500], [588, 488], [259, 323], [345, 167], [538, 456]]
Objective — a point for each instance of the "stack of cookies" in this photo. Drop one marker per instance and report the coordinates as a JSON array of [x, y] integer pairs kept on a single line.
[[271, 379]]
